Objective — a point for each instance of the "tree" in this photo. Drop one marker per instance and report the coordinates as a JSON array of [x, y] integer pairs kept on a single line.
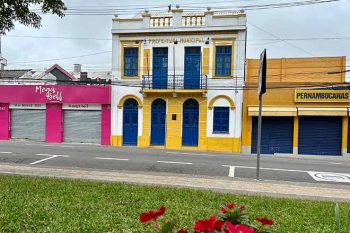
[[26, 13]]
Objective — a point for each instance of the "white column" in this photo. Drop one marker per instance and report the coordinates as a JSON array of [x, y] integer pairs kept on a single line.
[[115, 57], [208, 17], [177, 17], [114, 111], [146, 19]]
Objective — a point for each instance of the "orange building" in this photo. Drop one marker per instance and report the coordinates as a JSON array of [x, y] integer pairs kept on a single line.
[[305, 109]]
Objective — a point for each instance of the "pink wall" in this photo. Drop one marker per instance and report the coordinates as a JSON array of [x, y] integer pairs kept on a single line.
[[55, 94], [105, 124], [54, 123], [4, 121]]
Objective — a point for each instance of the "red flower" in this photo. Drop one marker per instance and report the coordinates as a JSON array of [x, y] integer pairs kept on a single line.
[[152, 215], [208, 225], [239, 228], [229, 206], [265, 221], [244, 229], [182, 231]]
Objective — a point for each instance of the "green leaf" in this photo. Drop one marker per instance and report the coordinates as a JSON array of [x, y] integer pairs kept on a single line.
[[168, 227], [337, 216]]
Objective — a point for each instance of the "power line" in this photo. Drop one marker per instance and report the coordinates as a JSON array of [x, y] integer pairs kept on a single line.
[[62, 58], [137, 10], [180, 69], [210, 87], [58, 37], [252, 40], [269, 76], [287, 42]]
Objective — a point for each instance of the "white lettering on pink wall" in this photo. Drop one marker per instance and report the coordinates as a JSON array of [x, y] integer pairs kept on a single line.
[[51, 93]]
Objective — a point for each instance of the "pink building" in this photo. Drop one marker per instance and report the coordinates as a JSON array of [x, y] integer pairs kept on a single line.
[[56, 113]]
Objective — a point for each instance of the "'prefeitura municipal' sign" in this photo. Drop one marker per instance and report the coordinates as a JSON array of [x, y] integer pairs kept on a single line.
[[322, 96]]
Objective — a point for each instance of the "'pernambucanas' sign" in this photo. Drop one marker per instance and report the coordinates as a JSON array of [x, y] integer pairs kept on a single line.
[[322, 96]]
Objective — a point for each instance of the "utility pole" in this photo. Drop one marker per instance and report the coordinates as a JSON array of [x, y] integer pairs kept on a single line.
[[261, 91]]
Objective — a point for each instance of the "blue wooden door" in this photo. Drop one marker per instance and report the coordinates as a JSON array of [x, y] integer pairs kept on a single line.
[[160, 68], [276, 136], [158, 122], [192, 67], [130, 122], [190, 120]]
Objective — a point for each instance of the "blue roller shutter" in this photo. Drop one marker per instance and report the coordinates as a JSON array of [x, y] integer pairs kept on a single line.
[[277, 135], [320, 135]]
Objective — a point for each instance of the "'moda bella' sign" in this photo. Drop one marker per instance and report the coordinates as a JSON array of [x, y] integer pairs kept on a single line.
[[51, 93], [70, 94], [322, 96]]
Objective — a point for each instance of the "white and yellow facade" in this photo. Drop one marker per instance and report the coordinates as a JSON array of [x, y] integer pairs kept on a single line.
[[176, 80]]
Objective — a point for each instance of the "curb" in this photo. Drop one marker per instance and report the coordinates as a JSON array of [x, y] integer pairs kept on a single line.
[[250, 187]]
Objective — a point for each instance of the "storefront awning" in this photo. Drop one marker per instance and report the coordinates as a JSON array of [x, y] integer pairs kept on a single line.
[[322, 111], [273, 111]]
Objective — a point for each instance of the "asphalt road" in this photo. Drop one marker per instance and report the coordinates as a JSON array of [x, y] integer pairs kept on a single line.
[[131, 159]]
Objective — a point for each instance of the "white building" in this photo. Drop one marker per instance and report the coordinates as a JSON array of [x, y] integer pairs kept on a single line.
[[174, 80]]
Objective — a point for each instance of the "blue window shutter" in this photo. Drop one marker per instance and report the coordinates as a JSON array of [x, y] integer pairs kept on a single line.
[[131, 60], [223, 59], [221, 120]]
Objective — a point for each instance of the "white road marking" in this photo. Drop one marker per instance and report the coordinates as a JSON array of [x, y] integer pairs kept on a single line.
[[172, 162], [266, 168], [117, 159], [336, 163], [5, 152], [189, 153], [50, 157], [330, 177], [68, 146], [231, 172], [47, 145], [317, 176]]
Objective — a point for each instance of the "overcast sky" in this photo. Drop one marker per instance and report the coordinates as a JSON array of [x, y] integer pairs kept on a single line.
[[314, 21]]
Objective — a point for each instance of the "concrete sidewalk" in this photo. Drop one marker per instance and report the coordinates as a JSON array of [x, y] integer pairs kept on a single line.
[[251, 187]]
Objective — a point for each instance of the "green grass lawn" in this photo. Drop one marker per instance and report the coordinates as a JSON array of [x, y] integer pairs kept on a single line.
[[30, 204]]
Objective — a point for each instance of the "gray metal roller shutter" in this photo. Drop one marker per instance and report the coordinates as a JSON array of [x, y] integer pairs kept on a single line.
[[28, 124], [82, 126]]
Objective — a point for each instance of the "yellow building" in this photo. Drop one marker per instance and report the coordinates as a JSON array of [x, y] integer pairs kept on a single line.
[[170, 77], [305, 109]]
